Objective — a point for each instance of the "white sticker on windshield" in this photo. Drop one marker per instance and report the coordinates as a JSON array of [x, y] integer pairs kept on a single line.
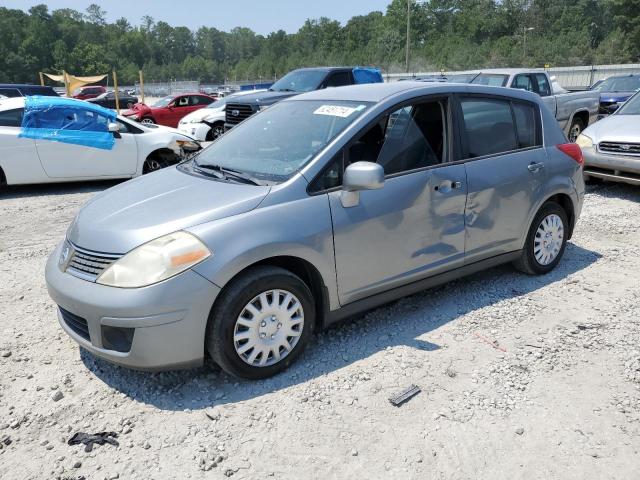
[[335, 110]]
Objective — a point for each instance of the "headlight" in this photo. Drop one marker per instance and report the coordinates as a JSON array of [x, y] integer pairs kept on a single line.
[[155, 261], [583, 141]]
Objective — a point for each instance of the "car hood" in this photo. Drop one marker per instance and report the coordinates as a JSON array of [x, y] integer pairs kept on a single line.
[[135, 212], [200, 115], [615, 128], [615, 96], [264, 98]]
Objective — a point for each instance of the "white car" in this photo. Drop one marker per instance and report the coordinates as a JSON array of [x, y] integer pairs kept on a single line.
[[60, 146], [207, 124]]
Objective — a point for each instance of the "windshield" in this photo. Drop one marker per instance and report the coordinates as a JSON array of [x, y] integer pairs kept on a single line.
[[279, 141], [491, 79], [461, 77], [619, 84], [163, 102], [299, 81], [631, 106]]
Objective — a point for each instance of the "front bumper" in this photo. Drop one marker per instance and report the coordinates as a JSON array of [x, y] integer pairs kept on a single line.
[[168, 319], [618, 168], [198, 131]]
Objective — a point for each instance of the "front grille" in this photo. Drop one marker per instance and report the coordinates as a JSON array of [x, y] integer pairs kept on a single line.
[[620, 148], [88, 265], [75, 323], [237, 112]]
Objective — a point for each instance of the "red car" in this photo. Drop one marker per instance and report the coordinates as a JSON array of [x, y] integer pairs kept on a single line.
[[93, 91], [168, 110]]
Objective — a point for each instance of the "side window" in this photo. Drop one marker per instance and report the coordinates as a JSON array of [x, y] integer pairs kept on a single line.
[[11, 118], [544, 90], [10, 92], [338, 79], [194, 100], [331, 176], [182, 101], [488, 125], [522, 82], [72, 119], [526, 124]]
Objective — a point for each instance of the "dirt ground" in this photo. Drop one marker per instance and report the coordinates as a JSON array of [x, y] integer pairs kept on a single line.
[[522, 377]]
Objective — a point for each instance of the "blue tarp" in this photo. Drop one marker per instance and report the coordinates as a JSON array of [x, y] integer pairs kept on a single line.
[[367, 75], [67, 120]]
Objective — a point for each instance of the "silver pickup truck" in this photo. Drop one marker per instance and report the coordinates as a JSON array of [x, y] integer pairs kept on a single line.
[[574, 111]]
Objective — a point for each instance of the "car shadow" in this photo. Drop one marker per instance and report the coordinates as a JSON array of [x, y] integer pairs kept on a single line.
[[340, 345], [52, 189]]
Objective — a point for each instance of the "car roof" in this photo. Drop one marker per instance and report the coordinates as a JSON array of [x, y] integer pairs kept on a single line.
[[377, 92], [22, 85]]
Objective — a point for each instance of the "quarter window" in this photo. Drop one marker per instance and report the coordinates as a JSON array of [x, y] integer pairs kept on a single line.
[[488, 125], [526, 124], [11, 118]]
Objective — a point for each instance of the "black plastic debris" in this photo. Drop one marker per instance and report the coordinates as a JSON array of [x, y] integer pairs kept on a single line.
[[405, 395], [89, 439]]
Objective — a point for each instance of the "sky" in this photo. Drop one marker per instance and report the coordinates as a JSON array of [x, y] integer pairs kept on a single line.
[[262, 16]]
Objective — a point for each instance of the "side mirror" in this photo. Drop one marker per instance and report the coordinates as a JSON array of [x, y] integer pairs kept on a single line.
[[360, 176], [113, 127]]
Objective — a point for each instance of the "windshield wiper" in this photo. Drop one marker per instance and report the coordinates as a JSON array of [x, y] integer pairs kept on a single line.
[[285, 90], [230, 172]]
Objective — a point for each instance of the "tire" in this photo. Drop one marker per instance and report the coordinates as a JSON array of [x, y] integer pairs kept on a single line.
[[533, 264], [576, 128], [148, 121], [217, 130], [155, 163], [229, 324]]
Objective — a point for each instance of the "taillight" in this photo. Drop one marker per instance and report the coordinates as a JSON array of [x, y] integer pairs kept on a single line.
[[573, 150]]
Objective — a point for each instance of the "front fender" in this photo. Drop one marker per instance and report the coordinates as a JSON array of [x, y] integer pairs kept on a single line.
[[300, 229]]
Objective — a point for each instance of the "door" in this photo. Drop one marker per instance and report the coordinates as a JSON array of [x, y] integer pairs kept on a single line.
[[18, 156], [66, 160], [414, 226], [502, 141], [181, 107]]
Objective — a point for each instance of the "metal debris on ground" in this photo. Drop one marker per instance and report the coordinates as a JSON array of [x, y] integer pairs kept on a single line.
[[403, 396], [89, 439]]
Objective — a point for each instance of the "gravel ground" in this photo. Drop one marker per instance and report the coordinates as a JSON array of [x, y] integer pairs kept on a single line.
[[522, 377]]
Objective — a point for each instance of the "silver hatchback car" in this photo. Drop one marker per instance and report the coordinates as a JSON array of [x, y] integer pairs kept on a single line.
[[320, 207]]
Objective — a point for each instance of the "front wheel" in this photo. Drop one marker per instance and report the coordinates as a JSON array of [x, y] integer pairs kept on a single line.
[[261, 322], [545, 242], [575, 130], [147, 121], [217, 130]]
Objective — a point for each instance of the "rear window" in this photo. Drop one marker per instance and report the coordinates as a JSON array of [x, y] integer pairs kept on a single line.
[[11, 118]]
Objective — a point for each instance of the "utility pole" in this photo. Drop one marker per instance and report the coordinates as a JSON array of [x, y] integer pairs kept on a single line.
[[524, 41], [408, 33]]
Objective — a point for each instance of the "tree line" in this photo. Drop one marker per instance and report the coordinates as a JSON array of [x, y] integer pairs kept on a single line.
[[445, 35]]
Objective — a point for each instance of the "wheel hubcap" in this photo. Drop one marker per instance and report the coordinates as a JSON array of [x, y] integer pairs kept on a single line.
[[153, 165], [268, 328], [218, 131], [147, 121], [548, 240], [574, 133]]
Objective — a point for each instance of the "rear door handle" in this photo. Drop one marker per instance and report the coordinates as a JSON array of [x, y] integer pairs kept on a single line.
[[447, 186], [534, 167]]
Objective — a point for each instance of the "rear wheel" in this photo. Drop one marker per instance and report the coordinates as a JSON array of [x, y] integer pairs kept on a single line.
[[577, 125], [261, 323], [546, 240]]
